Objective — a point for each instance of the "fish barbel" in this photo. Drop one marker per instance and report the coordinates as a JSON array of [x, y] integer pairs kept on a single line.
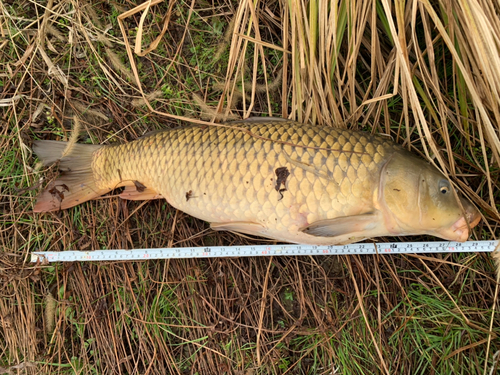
[[269, 177]]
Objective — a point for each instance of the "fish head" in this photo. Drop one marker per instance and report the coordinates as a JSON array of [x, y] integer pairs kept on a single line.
[[419, 199]]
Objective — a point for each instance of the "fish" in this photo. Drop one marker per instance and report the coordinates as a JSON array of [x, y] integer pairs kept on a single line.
[[269, 177]]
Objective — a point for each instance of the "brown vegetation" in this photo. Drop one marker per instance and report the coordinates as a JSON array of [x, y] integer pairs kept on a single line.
[[425, 73]]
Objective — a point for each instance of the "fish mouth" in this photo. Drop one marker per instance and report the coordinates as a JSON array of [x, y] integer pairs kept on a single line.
[[473, 218], [459, 231]]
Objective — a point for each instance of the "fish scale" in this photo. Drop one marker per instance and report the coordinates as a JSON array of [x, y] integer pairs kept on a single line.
[[225, 174]]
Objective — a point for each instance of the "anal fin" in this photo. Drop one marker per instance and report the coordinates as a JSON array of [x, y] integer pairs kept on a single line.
[[131, 193]]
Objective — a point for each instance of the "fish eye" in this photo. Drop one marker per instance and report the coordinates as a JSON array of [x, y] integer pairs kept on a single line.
[[444, 186]]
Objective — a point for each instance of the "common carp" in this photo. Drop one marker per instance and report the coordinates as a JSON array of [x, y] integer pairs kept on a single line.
[[269, 177]]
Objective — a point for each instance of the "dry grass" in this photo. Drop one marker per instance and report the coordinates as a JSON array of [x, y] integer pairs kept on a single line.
[[417, 71]]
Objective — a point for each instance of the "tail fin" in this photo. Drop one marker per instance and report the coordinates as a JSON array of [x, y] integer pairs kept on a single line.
[[76, 183]]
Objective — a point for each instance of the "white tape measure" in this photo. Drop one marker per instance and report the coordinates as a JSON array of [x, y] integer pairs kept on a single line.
[[266, 250]]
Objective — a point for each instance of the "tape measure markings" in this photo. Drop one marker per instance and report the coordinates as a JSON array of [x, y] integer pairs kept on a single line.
[[265, 250]]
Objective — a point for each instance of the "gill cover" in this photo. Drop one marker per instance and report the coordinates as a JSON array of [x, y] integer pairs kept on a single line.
[[418, 199]]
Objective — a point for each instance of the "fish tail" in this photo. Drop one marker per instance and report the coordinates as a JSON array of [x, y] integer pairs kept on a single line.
[[76, 184]]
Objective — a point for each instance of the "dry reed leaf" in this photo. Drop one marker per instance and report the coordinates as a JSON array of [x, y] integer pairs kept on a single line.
[[43, 25], [144, 8], [27, 53], [39, 109], [51, 30], [261, 43], [53, 70], [50, 46], [10, 101]]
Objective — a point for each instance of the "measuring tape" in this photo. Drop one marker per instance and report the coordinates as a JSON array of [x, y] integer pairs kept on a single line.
[[266, 250]]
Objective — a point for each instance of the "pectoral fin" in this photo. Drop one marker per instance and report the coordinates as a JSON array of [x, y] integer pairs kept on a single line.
[[251, 228], [345, 225]]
